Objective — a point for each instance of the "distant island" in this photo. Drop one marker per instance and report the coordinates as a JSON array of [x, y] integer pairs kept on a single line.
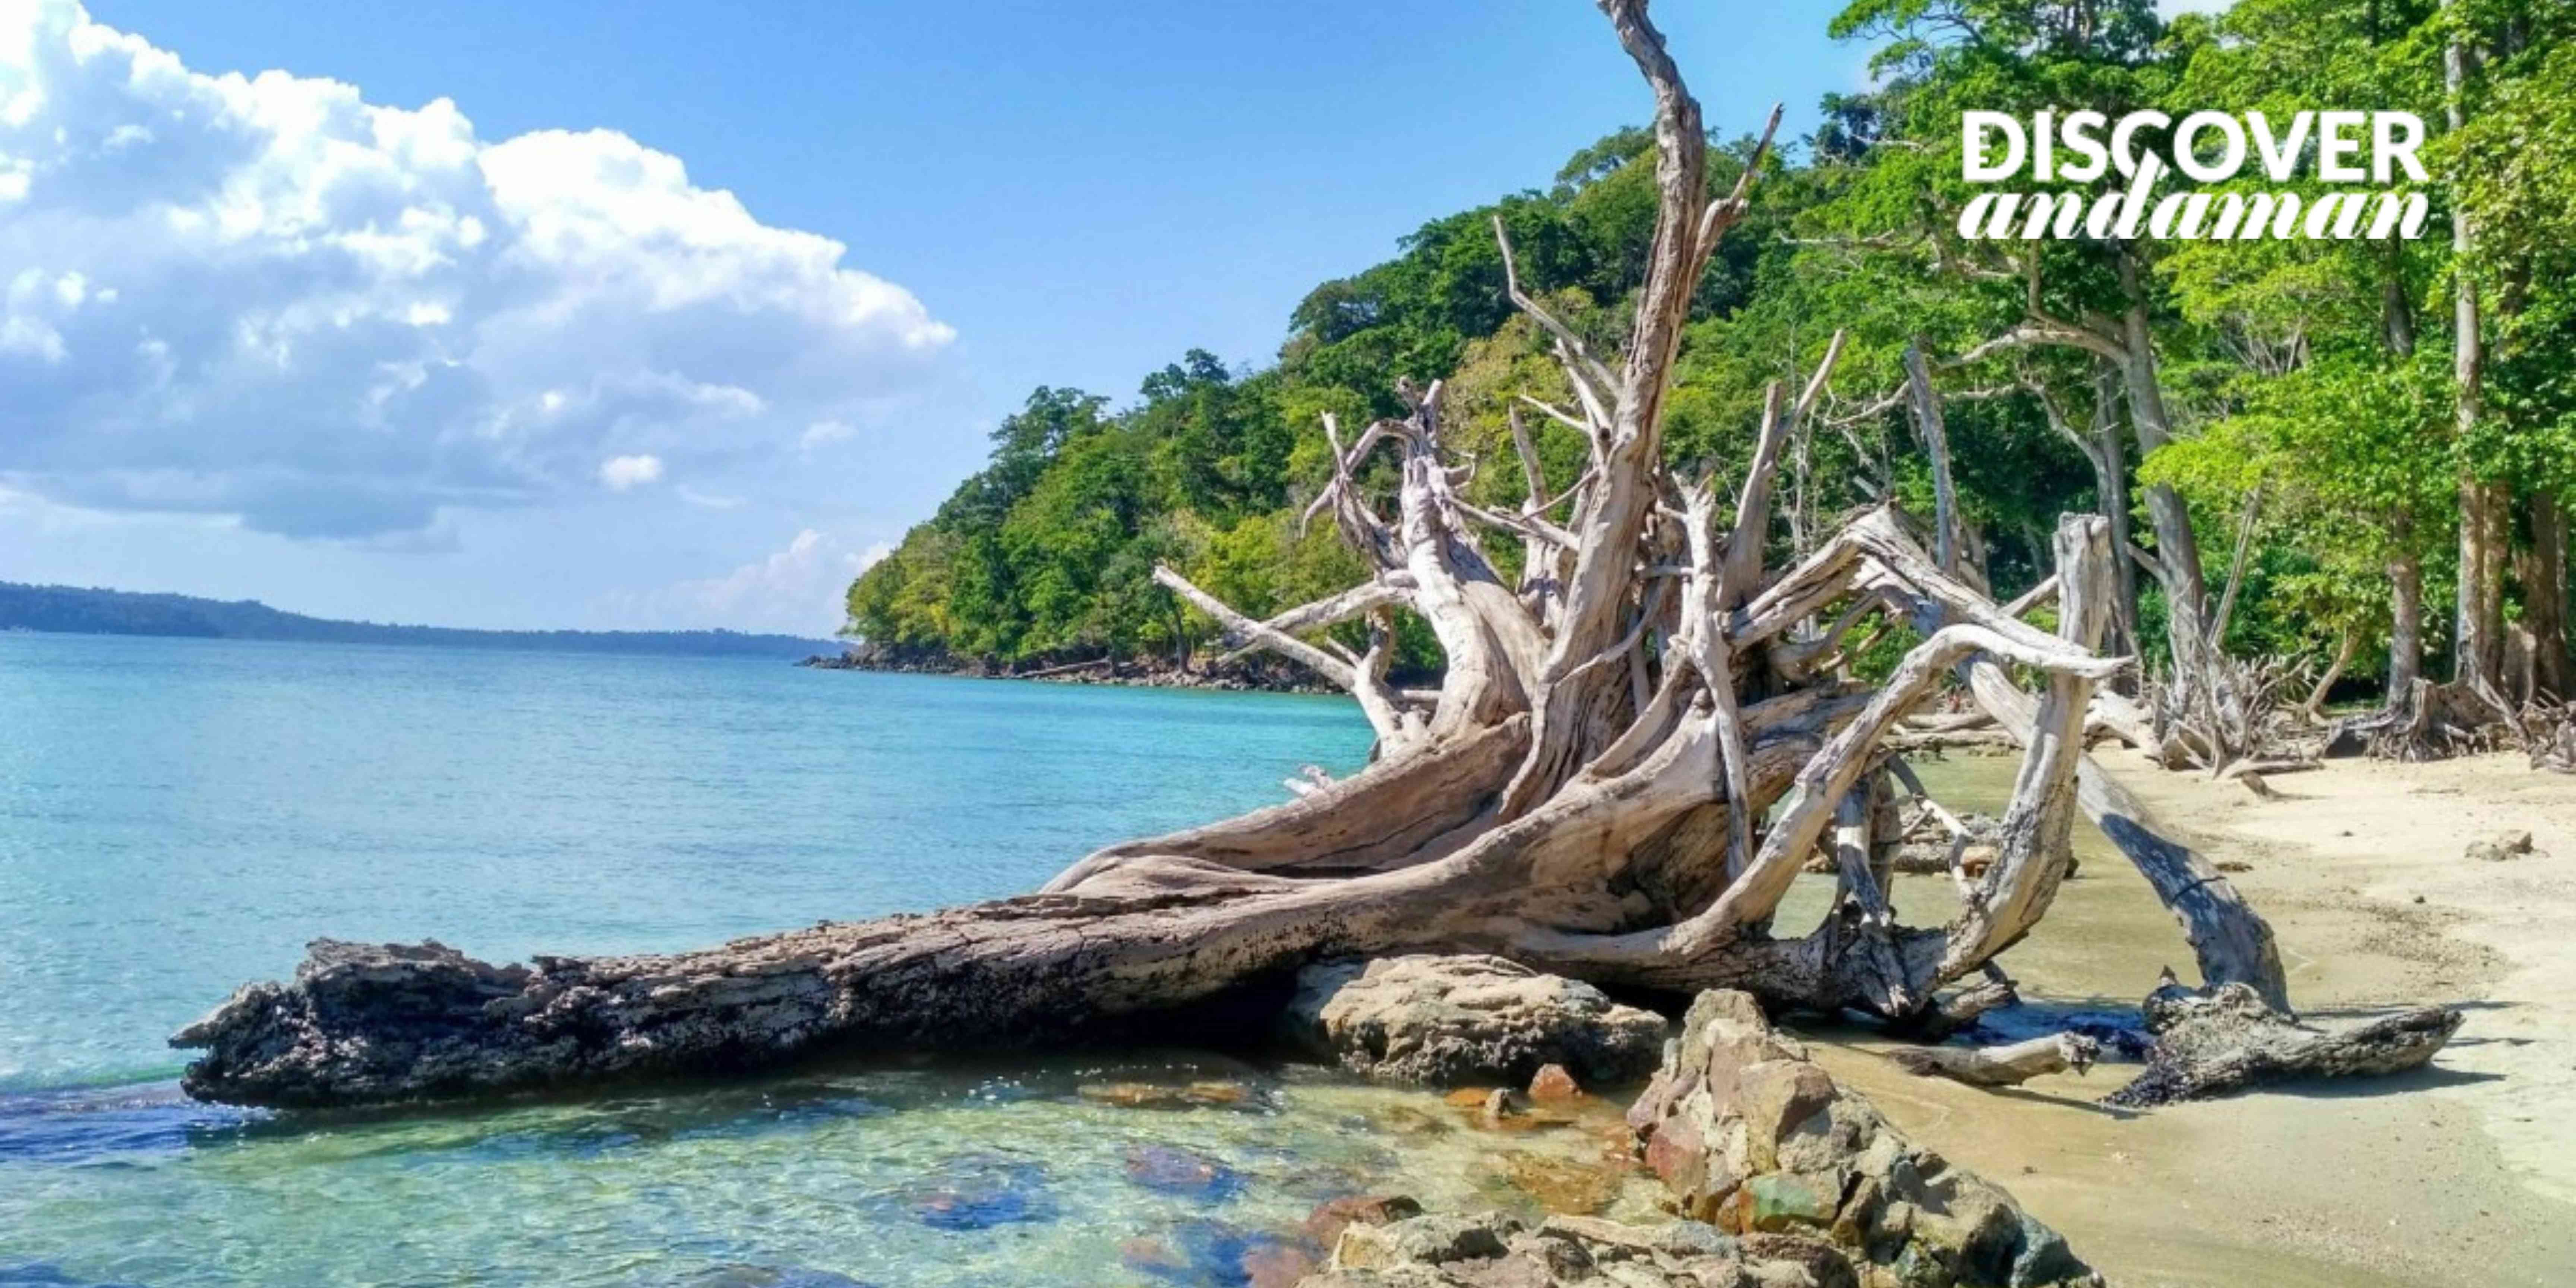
[[89, 611]]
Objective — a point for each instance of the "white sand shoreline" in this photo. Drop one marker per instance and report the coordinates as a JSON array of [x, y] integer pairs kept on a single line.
[[2461, 1174], [2514, 921]]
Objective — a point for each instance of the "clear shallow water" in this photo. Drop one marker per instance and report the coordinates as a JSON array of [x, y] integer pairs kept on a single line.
[[896, 1178], [177, 817]]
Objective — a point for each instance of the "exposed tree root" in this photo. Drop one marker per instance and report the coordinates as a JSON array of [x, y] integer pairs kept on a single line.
[[2427, 721], [1636, 746]]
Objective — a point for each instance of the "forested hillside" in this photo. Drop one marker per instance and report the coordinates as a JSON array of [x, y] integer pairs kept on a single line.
[[2302, 442], [84, 611]]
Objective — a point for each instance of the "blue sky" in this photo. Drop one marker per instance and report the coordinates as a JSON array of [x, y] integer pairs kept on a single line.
[[501, 363]]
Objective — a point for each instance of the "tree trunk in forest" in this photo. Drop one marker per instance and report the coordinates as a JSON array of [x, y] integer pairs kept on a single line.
[[2314, 708], [2406, 629], [1925, 403], [2477, 660], [2101, 445], [2127, 344], [2396, 306], [2177, 547], [2406, 566], [2111, 485], [1567, 798], [2485, 506], [2541, 568]]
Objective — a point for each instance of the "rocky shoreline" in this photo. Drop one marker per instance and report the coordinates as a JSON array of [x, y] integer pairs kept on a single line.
[[1259, 674], [1742, 1163], [1775, 1174]]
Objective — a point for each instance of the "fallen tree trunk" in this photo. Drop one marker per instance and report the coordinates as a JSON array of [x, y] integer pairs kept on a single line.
[[1625, 767], [2210, 1044], [2000, 1066]]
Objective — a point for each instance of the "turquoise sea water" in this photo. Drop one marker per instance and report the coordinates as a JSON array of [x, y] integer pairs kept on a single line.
[[179, 816]]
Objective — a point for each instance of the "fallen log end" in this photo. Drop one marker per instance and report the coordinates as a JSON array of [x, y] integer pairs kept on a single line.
[[2001, 1066], [2226, 1040]]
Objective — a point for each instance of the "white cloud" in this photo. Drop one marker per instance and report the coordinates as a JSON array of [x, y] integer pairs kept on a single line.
[[618, 473], [823, 433], [265, 297], [796, 590]]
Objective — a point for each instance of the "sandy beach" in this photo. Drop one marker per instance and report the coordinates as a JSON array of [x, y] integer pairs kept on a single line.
[[2460, 1174]]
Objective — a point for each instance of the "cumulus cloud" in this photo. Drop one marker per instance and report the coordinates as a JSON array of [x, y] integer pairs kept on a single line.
[[265, 297], [797, 589], [618, 473]]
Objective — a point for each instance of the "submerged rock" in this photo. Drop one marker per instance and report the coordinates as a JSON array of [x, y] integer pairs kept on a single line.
[[1157, 1095], [1405, 1120], [1444, 1021], [1276, 1265], [750, 1276], [1567, 1186], [1219, 1255], [1166, 1170], [1325, 1224], [977, 1194]]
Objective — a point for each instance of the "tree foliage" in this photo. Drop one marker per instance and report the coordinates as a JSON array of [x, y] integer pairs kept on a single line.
[[2315, 373]]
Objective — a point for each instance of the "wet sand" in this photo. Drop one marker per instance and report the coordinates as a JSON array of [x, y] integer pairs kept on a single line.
[[2460, 1174]]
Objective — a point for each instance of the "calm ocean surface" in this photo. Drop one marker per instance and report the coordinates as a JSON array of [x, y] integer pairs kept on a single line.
[[179, 816]]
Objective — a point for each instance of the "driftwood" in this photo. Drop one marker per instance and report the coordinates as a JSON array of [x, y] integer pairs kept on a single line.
[[1627, 762], [2227, 1040], [2001, 1066], [2232, 943], [2552, 737], [1954, 1010], [1995, 740], [1068, 668]]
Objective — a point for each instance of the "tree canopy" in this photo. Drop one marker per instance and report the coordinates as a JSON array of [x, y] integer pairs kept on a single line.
[[2302, 393]]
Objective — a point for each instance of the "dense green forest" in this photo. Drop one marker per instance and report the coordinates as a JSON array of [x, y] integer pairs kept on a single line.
[[2350, 453], [80, 611]]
